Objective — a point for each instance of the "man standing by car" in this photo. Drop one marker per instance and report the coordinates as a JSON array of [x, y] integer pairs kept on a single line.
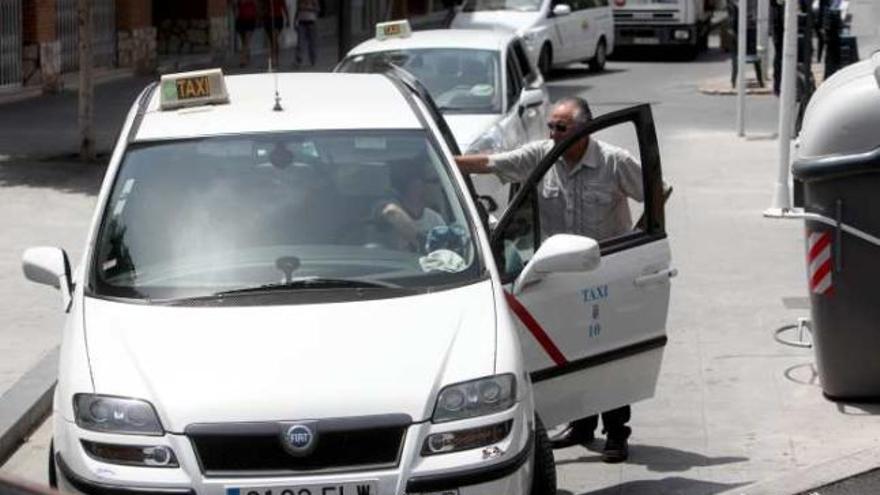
[[585, 193]]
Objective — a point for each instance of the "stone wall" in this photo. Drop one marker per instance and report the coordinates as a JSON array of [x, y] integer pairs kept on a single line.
[[183, 36], [137, 49], [220, 36]]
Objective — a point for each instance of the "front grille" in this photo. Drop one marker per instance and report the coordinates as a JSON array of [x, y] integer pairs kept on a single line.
[[225, 450], [646, 16]]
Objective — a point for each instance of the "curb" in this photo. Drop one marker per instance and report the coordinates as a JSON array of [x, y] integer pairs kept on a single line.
[[809, 479], [69, 83], [24, 406]]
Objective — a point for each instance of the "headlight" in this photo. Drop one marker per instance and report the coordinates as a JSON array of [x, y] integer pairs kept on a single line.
[[489, 142], [681, 34], [116, 415], [131, 455], [473, 438], [475, 398]]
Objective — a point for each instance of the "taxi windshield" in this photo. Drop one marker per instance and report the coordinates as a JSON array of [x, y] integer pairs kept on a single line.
[[459, 80], [484, 5], [297, 210]]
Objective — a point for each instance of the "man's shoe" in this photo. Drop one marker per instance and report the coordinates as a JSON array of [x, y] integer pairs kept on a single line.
[[615, 451], [571, 436]]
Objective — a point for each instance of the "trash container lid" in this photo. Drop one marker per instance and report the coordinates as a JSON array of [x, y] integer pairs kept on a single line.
[[843, 115]]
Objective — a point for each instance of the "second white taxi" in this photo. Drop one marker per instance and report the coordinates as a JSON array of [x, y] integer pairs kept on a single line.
[[482, 81]]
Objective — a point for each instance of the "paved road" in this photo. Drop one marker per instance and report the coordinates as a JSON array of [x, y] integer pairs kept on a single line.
[[732, 406]]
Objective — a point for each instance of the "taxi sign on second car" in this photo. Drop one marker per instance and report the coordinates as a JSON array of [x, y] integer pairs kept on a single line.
[[393, 29], [194, 88]]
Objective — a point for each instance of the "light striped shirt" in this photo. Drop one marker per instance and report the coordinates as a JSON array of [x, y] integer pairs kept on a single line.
[[589, 199]]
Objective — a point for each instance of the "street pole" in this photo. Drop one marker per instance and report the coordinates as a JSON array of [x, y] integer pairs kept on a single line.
[[742, 33], [763, 19], [344, 40], [85, 116], [781, 197]]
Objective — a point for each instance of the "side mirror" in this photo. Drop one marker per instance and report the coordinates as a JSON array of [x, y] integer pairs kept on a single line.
[[561, 10], [531, 97], [49, 266], [488, 203], [560, 253]]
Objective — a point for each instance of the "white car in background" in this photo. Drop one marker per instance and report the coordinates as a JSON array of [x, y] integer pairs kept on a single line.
[[482, 81], [556, 32]]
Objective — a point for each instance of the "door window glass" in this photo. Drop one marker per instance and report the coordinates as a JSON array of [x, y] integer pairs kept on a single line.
[[514, 80], [601, 196], [525, 66]]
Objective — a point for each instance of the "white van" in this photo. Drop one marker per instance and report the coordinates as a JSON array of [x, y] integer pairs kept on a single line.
[[243, 321], [556, 32]]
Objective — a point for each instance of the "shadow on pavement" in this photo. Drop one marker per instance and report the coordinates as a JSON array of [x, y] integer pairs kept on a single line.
[[666, 485], [69, 176], [658, 459], [573, 72], [662, 54]]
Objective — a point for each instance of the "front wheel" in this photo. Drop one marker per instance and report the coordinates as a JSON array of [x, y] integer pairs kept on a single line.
[[597, 63], [544, 467]]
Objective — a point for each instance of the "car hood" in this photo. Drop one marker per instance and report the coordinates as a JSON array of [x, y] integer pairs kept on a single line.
[[496, 19], [269, 363], [466, 128]]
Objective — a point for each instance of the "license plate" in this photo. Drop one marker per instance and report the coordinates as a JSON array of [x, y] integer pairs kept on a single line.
[[646, 41], [350, 488]]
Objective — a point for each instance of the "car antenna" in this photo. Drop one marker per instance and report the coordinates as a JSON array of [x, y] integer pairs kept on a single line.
[[277, 107]]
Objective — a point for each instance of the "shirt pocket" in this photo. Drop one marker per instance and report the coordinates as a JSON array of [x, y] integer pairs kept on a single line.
[[598, 197]]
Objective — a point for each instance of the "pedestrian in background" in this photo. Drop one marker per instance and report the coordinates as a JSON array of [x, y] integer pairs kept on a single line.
[[276, 18], [307, 12], [245, 22]]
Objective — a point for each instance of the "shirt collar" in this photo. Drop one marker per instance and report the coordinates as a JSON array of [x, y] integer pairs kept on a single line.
[[592, 158]]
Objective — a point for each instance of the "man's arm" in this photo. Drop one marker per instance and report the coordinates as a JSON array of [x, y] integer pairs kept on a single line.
[[510, 166], [473, 164]]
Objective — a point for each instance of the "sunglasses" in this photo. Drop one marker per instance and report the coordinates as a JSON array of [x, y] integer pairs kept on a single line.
[[556, 126]]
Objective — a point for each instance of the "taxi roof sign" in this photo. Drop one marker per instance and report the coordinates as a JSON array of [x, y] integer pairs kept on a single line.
[[190, 89], [393, 29]]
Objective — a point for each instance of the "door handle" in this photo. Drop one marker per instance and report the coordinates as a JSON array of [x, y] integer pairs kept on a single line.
[[656, 277]]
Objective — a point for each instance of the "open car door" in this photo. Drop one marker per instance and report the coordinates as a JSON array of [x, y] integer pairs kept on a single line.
[[592, 338]]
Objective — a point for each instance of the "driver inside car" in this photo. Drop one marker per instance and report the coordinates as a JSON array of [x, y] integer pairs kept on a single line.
[[409, 216]]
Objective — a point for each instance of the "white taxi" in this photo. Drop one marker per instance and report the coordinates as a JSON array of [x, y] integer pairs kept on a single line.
[[556, 32], [244, 320], [482, 81]]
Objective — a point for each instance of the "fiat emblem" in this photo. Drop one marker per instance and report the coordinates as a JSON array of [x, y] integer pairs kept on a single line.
[[298, 439]]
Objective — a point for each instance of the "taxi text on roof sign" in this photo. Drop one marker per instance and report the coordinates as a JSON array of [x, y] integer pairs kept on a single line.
[[194, 88], [393, 29]]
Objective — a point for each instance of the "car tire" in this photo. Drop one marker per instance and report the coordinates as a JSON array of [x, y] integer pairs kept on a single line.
[[53, 475], [544, 467], [597, 63], [545, 60]]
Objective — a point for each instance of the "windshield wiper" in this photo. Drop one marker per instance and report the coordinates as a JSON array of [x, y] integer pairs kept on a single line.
[[311, 283]]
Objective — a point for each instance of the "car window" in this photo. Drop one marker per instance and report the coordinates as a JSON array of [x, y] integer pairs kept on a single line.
[[459, 80], [604, 202], [525, 66], [489, 5], [196, 217], [514, 80]]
